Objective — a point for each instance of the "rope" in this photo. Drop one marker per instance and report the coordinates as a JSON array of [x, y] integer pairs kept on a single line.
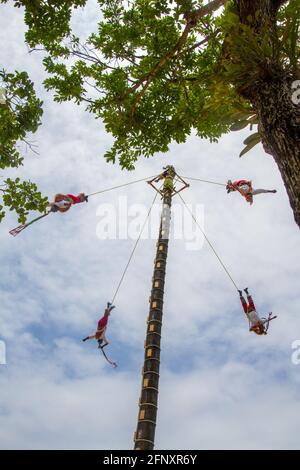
[[134, 248], [15, 231], [114, 364], [203, 181], [119, 186], [210, 244]]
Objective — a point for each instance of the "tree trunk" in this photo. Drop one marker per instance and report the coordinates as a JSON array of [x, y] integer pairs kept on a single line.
[[279, 126], [272, 98]]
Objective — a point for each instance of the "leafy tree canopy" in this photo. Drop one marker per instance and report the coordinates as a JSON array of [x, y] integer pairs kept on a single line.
[[20, 115], [157, 69]]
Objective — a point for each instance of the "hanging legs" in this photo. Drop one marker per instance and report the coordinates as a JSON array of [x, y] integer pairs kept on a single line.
[[263, 191], [255, 322], [246, 307], [243, 302]]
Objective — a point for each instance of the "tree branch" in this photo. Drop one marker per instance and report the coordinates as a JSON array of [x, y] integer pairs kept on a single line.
[[150, 75], [192, 19], [87, 100], [204, 41], [194, 16], [31, 146]]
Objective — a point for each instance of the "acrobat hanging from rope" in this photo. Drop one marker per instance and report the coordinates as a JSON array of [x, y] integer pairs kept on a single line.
[[63, 202], [244, 187], [258, 325], [99, 334], [60, 203]]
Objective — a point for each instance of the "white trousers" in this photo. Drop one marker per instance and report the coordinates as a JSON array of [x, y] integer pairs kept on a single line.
[[259, 191]]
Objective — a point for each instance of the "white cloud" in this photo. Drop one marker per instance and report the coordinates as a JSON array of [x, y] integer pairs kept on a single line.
[[221, 387]]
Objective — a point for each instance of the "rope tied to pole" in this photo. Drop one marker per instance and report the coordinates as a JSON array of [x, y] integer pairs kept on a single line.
[[204, 181], [210, 244], [15, 231], [119, 186], [134, 248]]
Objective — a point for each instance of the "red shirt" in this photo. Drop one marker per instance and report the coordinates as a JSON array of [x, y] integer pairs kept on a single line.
[[102, 322], [75, 199], [239, 182]]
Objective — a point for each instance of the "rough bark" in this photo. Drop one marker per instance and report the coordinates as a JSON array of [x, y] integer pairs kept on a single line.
[[271, 97], [279, 127]]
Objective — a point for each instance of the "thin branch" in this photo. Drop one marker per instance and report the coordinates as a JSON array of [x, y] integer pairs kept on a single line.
[[150, 75], [132, 61], [194, 16], [186, 92], [31, 146], [87, 100], [82, 55], [90, 58], [204, 41], [88, 51], [192, 19], [36, 49], [93, 86]]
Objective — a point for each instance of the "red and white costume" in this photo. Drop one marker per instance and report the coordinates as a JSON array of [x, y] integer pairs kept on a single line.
[[63, 202], [244, 187], [254, 320]]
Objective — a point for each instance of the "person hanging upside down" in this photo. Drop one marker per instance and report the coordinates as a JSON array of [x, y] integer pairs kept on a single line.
[[99, 334], [63, 202], [244, 187], [256, 324]]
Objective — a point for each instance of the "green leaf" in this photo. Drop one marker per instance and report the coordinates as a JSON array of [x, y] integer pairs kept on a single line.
[[253, 138], [237, 126], [247, 148], [150, 89]]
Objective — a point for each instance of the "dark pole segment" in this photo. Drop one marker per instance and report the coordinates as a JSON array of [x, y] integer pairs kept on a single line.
[[145, 432]]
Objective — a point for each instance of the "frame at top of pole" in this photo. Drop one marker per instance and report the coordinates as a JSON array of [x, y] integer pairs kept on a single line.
[[169, 172]]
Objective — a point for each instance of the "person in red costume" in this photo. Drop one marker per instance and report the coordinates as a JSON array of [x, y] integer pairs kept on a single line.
[[244, 187], [63, 202], [257, 324], [99, 334]]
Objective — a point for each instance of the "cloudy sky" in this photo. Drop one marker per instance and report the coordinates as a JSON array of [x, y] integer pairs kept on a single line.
[[220, 387]]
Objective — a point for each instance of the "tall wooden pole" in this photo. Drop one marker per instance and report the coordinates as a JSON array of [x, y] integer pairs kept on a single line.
[[145, 432]]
